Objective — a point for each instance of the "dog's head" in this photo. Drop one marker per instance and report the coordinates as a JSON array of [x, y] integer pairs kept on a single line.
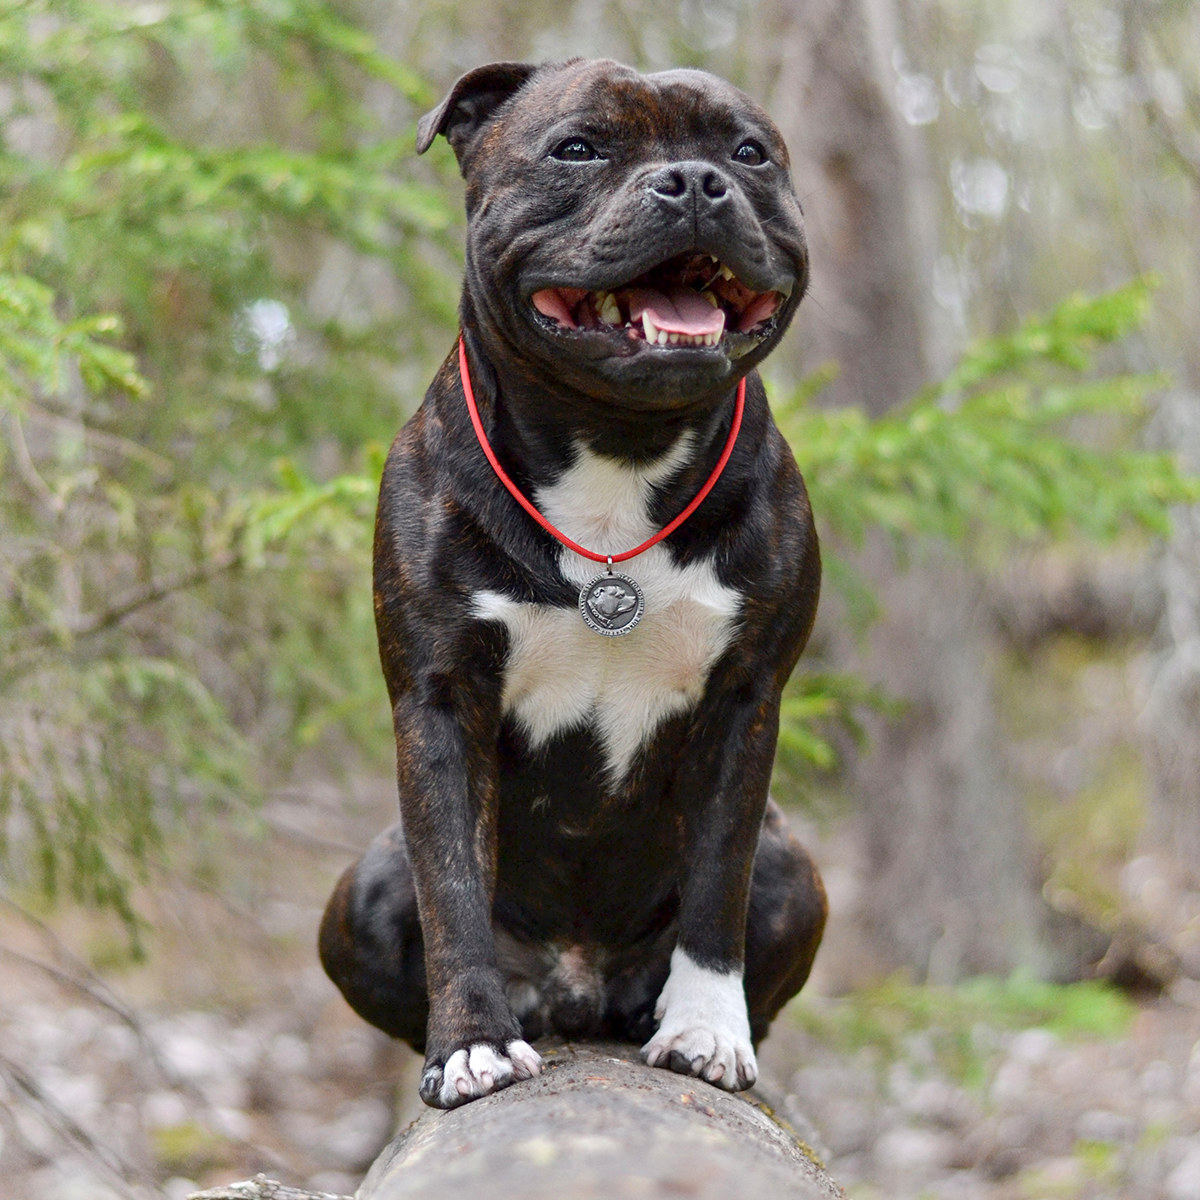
[[636, 237]]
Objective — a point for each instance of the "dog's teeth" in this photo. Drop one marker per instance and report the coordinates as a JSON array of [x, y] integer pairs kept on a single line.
[[711, 299], [662, 337], [673, 338], [607, 308], [650, 328], [725, 272]]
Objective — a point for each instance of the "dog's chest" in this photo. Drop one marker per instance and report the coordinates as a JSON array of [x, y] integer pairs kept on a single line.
[[559, 674]]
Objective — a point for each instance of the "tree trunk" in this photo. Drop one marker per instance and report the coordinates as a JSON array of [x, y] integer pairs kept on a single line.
[[949, 888], [595, 1123], [862, 179], [951, 885], [1171, 720]]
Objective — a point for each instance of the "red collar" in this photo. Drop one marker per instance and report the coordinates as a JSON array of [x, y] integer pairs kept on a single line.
[[519, 497]]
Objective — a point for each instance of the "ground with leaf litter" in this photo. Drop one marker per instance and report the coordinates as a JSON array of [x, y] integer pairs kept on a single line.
[[228, 1053]]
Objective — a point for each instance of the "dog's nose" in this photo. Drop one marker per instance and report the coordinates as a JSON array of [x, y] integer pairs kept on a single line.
[[683, 184]]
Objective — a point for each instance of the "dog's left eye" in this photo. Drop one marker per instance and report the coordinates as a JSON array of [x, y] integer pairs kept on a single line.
[[750, 154], [575, 150]]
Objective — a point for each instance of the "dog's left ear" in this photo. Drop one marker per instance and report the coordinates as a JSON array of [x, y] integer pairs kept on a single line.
[[470, 103]]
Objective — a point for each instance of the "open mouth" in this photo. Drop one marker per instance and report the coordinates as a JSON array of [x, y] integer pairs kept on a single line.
[[689, 300]]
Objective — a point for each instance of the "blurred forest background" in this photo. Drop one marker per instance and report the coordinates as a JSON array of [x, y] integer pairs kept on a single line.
[[225, 281]]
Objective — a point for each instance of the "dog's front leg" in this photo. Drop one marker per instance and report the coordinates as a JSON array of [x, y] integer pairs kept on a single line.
[[704, 1028], [448, 802]]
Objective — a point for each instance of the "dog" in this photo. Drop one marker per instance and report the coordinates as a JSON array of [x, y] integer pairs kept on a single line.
[[586, 844]]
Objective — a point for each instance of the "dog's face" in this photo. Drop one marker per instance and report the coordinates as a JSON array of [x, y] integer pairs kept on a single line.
[[636, 237]]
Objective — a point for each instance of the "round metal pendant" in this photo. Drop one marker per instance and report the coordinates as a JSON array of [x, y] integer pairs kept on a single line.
[[612, 604]]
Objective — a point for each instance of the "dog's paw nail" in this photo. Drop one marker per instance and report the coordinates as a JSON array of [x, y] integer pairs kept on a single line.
[[526, 1061], [431, 1085], [684, 1064]]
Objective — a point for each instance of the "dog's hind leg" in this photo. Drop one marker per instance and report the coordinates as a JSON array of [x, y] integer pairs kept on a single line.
[[371, 944], [785, 921]]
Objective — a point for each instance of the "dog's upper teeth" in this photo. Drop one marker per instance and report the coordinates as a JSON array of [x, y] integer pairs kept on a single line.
[[607, 308], [711, 299], [650, 328], [725, 272]]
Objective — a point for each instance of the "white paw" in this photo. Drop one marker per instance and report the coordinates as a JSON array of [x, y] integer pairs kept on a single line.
[[469, 1074], [703, 1029]]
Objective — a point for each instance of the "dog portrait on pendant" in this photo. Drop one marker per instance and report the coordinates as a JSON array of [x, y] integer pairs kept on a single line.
[[595, 568]]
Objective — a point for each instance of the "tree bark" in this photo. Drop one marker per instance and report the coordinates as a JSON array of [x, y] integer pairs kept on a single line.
[[1171, 719], [862, 179], [952, 889], [262, 1188], [597, 1123]]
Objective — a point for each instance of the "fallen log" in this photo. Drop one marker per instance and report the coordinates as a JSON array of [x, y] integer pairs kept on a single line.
[[262, 1188], [595, 1123]]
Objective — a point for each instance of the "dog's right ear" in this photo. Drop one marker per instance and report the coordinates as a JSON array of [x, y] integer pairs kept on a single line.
[[470, 104]]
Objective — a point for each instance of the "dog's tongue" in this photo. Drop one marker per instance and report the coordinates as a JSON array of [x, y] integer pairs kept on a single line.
[[681, 310]]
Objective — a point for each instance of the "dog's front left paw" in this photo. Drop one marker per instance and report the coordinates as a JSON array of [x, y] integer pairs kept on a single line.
[[704, 1029], [478, 1070]]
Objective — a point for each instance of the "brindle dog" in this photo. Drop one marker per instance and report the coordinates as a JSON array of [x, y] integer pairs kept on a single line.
[[587, 846]]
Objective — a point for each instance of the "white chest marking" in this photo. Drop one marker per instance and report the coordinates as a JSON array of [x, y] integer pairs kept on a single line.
[[560, 675]]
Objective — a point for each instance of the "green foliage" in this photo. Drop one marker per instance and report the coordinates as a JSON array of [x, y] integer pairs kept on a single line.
[[192, 414], [959, 1025], [1022, 441], [997, 448], [38, 349], [190, 1147], [816, 701]]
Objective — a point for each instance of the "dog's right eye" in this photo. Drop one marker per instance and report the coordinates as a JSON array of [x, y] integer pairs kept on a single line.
[[575, 150]]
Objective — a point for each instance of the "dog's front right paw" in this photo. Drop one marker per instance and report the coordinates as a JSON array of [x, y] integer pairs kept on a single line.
[[703, 1026], [720, 1056], [478, 1070]]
